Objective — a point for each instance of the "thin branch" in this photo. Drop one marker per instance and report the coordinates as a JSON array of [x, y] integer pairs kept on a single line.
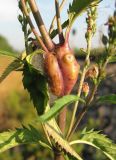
[[40, 24], [53, 21], [80, 86], [32, 26], [59, 26], [83, 112]]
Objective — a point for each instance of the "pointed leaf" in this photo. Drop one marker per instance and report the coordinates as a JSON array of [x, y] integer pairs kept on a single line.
[[99, 141], [55, 133], [5, 53], [58, 105], [107, 99], [14, 65], [19, 136]]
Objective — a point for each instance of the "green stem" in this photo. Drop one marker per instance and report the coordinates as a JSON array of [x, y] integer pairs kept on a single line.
[[84, 110], [87, 62], [41, 26]]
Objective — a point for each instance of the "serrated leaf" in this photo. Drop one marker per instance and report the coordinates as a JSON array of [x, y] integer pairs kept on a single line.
[[36, 84], [14, 65], [99, 141], [77, 7], [5, 53], [54, 132], [107, 99], [58, 105], [24, 135]]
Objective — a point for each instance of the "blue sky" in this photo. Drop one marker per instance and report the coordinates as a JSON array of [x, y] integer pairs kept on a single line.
[[11, 29]]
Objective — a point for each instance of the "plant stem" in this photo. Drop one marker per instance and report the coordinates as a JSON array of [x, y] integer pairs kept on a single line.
[[32, 26], [87, 61], [53, 21], [84, 110], [41, 26], [59, 26]]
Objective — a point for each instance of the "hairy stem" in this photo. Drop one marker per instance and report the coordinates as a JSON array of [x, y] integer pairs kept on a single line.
[[41, 25], [32, 26], [53, 21], [59, 26]]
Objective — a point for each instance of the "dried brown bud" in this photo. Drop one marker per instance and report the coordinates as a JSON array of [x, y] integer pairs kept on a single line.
[[85, 89], [92, 72]]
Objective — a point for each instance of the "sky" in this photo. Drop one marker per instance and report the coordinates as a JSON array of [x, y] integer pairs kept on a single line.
[[11, 28]]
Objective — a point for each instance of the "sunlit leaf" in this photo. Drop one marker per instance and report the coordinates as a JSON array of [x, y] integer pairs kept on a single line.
[[99, 141], [78, 7], [5, 53], [16, 64], [58, 105], [24, 135]]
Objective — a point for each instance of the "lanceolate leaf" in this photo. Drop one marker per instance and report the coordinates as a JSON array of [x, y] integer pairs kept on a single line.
[[107, 99], [5, 53], [19, 136], [77, 7], [58, 105], [16, 64], [99, 141]]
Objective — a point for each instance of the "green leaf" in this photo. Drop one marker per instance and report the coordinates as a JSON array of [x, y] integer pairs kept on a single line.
[[14, 65], [19, 136], [99, 141], [78, 7], [36, 59], [5, 53], [75, 9], [58, 105], [108, 98], [36, 84], [54, 132]]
